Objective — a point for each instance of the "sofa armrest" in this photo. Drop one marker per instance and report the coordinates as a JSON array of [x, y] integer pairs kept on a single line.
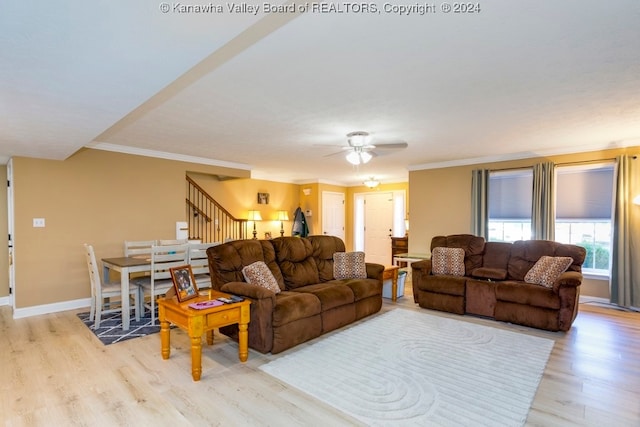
[[374, 271], [248, 290], [568, 279], [423, 266], [263, 302]]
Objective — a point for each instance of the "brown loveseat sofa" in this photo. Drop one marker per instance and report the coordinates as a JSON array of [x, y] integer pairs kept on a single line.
[[494, 284], [311, 302]]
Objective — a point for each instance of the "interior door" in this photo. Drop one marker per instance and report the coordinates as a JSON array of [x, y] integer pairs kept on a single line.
[[333, 214], [378, 219]]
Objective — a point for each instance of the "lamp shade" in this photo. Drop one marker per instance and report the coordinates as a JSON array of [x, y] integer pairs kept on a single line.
[[358, 156], [254, 216], [283, 216]]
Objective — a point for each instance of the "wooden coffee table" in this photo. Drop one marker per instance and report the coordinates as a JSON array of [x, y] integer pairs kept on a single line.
[[197, 322]]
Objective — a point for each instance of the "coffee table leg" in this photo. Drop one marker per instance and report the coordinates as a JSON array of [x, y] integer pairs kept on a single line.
[[394, 286], [165, 339], [210, 337], [243, 342], [196, 357]]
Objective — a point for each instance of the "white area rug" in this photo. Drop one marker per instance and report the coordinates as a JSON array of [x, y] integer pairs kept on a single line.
[[411, 368]]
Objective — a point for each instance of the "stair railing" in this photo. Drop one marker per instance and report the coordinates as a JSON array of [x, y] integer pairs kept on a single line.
[[208, 220]]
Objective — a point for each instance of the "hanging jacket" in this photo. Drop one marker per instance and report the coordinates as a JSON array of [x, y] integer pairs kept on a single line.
[[300, 227]]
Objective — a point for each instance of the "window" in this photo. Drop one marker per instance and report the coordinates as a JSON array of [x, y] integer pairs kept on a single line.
[[584, 200], [510, 194]]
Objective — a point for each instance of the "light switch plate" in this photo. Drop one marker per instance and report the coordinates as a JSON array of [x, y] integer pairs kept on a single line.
[[38, 222]]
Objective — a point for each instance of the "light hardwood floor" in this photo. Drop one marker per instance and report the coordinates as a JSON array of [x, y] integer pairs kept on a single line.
[[53, 371]]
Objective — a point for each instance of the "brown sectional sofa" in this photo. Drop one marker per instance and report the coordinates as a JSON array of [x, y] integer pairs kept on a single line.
[[494, 286], [311, 302]]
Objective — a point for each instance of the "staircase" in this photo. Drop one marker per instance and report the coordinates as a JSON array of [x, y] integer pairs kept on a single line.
[[208, 220]]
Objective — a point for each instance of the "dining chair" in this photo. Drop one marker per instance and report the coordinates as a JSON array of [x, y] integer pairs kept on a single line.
[[163, 258], [138, 248], [199, 262], [168, 242], [102, 293]]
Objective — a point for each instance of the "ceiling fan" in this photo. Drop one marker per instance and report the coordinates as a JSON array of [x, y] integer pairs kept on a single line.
[[360, 150]]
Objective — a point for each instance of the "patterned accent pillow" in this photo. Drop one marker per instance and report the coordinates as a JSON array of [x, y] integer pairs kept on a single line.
[[259, 274], [547, 270], [447, 261], [349, 265]]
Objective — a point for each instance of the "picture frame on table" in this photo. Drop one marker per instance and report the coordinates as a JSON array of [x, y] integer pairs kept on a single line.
[[184, 283]]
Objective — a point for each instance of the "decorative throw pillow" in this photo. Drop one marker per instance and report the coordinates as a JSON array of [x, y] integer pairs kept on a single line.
[[547, 270], [259, 274], [349, 265], [447, 261]]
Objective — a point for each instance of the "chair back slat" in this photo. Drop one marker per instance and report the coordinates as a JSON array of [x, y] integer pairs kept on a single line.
[[138, 248], [165, 257]]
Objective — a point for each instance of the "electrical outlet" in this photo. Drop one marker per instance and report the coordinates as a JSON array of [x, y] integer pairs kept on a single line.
[[38, 222]]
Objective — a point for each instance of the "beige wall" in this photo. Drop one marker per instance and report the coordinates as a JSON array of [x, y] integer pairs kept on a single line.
[[96, 197], [440, 200], [4, 253]]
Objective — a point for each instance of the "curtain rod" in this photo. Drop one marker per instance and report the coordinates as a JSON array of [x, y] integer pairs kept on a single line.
[[582, 162]]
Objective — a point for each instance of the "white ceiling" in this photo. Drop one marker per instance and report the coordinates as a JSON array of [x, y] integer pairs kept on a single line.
[[263, 91]]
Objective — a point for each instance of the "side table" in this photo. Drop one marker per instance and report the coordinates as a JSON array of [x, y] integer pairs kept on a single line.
[[391, 272], [409, 258], [197, 322]]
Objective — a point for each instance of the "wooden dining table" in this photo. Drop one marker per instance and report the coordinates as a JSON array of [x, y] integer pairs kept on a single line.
[[125, 266]]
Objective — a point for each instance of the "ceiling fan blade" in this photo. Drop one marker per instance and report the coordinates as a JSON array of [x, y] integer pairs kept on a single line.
[[329, 145], [395, 145], [334, 154]]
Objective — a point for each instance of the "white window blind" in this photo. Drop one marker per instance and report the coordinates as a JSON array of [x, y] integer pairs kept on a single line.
[[584, 192], [510, 194]]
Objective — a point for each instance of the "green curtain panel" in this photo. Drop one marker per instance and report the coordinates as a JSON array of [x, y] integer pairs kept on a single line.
[[543, 209], [625, 269], [480, 203]]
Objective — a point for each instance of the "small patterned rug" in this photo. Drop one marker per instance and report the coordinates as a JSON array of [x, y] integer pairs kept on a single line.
[[110, 330], [408, 367]]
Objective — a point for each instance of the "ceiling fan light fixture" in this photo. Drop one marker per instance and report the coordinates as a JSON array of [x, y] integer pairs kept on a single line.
[[353, 158], [358, 156], [365, 157], [371, 182]]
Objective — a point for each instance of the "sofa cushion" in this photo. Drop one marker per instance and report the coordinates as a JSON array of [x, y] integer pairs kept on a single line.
[[547, 269], [473, 247], [489, 273], [292, 306], [525, 253], [449, 285], [324, 247], [362, 288], [349, 265], [259, 274], [496, 255], [227, 260], [294, 255], [527, 294], [448, 261], [330, 294]]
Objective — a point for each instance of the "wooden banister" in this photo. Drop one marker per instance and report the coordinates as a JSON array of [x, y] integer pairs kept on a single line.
[[208, 220]]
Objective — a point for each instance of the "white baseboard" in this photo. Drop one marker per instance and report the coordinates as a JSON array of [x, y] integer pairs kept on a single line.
[[5, 301], [38, 310], [587, 298]]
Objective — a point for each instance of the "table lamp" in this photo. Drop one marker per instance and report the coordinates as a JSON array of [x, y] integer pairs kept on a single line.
[[254, 216], [282, 216]]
